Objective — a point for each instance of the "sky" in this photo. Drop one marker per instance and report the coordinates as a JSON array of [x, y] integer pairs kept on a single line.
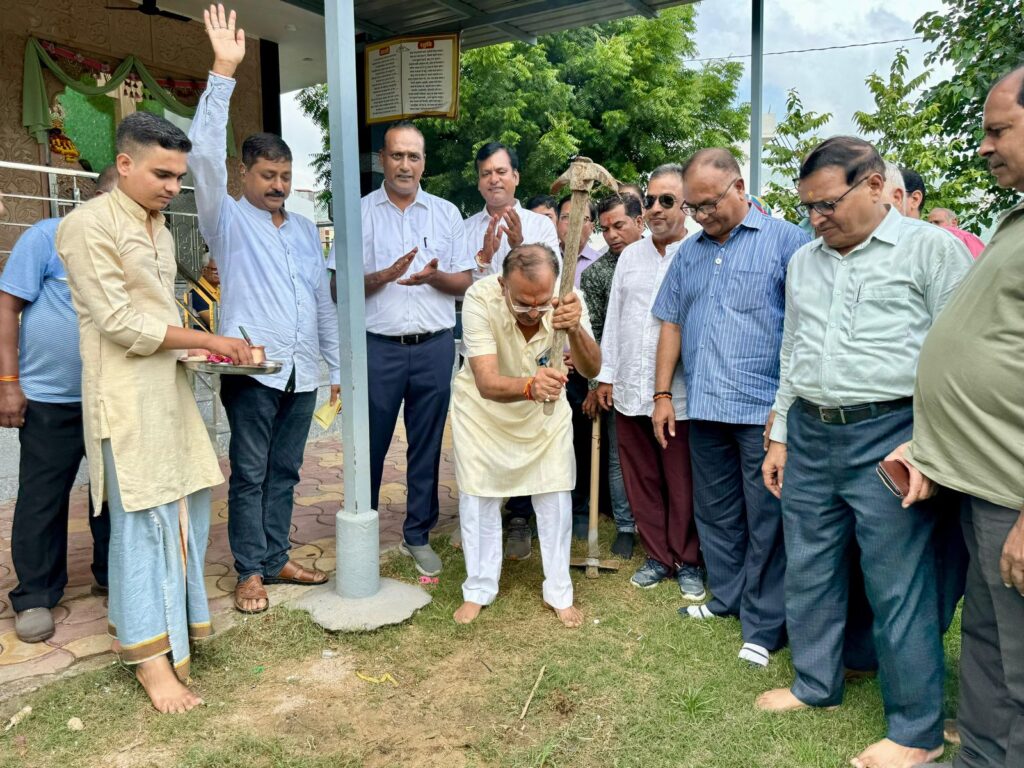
[[828, 81]]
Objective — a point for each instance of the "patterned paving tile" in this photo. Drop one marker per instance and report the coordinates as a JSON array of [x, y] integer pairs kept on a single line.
[[81, 618]]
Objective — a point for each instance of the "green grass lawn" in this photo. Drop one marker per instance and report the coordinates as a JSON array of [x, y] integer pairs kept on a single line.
[[636, 686]]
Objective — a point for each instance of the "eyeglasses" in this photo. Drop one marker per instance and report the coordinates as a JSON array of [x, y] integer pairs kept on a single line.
[[826, 207], [667, 202], [520, 309], [565, 217], [706, 209]]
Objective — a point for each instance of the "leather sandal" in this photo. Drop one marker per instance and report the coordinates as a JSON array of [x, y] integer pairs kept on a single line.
[[293, 573], [251, 589]]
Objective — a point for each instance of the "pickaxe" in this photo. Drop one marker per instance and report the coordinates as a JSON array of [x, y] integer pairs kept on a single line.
[[582, 176]]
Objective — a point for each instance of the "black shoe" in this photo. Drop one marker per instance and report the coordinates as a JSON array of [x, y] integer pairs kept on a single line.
[[623, 545]]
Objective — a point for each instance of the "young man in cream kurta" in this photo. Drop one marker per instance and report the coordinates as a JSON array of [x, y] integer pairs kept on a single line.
[[148, 449], [505, 444]]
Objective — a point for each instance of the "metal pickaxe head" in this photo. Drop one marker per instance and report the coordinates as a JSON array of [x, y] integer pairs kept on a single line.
[[583, 175]]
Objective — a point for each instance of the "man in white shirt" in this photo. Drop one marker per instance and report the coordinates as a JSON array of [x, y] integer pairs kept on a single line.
[[275, 287], [415, 267], [503, 223], [658, 480]]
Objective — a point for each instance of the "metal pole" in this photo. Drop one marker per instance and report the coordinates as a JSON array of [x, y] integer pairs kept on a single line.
[[756, 93], [358, 530]]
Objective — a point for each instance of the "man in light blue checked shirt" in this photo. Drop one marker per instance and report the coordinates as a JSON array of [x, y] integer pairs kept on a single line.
[[273, 284], [724, 300]]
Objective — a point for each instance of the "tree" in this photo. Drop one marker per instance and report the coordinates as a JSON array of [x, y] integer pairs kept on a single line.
[[907, 130], [982, 40], [795, 136], [617, 92]]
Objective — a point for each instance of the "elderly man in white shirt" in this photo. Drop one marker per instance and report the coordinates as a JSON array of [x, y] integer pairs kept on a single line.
[[415, 267], [658, 480], [503, 223]]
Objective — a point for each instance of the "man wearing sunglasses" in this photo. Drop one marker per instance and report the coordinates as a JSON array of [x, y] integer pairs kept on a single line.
[[509, 441], [859, 301], [721, 307], [657, 478]]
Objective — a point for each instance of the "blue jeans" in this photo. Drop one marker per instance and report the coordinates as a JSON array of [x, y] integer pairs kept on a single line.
[[268, 438], [831, 495], [740, 527], [621, 512]]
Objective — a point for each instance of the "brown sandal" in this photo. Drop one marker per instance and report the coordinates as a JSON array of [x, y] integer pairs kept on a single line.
[[293, 573], [251, 589]]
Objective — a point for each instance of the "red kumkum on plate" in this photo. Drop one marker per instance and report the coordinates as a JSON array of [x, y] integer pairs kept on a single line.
[[204, 365]]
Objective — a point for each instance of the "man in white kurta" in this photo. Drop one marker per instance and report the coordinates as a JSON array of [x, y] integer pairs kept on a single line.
[[505, 442]]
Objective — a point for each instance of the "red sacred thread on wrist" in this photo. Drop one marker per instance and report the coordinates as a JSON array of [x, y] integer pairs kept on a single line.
[[528, 389], [663, 396]]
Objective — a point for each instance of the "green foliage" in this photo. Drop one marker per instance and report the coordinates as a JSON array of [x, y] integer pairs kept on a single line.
[[909, 132], [935, 131], [795, 136], [313, 102], [616, 92], [982, 40]]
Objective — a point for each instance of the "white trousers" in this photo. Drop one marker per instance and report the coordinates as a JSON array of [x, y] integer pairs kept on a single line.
[[480, 520]]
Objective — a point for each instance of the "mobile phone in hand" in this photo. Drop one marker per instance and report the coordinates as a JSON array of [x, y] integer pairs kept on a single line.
[[896, 477]]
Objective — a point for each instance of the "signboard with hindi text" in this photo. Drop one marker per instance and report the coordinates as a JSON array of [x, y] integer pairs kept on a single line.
[[412, 77]]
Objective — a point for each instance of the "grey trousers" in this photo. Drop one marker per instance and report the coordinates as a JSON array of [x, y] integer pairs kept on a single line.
[[991, 712]]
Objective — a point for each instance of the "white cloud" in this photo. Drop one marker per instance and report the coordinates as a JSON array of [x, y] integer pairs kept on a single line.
[[828, 81], [303, 137]]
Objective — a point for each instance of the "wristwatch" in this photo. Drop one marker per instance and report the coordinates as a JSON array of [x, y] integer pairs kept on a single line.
[[481, 264]]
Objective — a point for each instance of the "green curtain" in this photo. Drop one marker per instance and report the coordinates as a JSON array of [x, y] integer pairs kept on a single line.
[[35, 114]]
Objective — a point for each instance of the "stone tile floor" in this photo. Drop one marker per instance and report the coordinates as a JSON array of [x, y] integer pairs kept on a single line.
[[81, 638]]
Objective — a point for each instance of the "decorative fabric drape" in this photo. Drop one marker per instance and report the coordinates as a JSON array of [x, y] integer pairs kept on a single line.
[[35, 115]]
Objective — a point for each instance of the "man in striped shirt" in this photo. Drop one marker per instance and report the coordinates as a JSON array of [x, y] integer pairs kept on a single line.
[[723, 303]]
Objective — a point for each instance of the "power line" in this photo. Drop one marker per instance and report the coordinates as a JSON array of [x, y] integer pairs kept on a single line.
[[806, 50]]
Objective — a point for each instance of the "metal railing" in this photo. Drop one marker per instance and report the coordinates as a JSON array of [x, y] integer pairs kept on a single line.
[[64, 190]]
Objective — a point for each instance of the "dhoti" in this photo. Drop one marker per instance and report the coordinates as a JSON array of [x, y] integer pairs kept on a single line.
[[157, 594]]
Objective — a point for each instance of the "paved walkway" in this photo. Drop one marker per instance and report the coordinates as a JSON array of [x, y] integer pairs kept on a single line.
[[81, 638]]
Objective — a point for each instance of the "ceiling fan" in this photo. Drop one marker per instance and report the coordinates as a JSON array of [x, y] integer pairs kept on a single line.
[[149, 8]]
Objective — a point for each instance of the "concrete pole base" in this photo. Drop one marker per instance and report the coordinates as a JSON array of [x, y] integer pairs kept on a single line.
[[393, 603]]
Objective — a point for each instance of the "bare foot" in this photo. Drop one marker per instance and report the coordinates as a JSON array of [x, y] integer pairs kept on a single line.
[[571, 617], [858, 675], [165, 690], [781, 700], [888, 754], [115, 646], [951, 731], [467, 612]]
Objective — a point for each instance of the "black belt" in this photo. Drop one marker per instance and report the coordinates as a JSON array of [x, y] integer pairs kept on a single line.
[[412, 338], [851, 414]]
